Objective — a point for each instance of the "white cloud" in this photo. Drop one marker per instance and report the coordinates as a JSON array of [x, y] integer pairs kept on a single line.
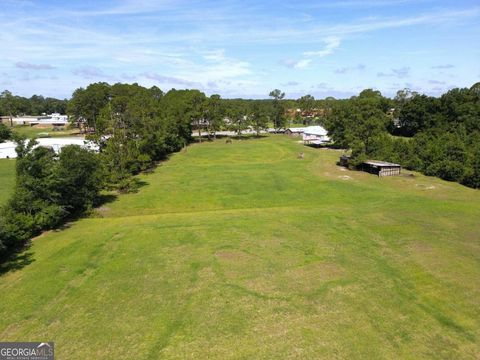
[[331, 43]]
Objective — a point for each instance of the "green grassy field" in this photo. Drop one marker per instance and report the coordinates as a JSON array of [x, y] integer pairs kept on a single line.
[[34, 131], [7, 179], [244, 251]]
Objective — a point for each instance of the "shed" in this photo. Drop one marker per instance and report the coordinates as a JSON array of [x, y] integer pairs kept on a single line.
[[344, 160], [381, 168], [294, 131]]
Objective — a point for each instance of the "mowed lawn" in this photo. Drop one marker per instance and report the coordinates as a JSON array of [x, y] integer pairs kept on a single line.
[[34, 131], [245, 251]]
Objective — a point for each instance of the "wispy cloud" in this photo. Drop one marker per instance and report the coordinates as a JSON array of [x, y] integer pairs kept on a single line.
[[291, 83], [296, 64], [29, 66], [331, 43], [443, 67], [91, 73], [361, 4], [125, 7], [398, 73], [171, 80], [347, 69]]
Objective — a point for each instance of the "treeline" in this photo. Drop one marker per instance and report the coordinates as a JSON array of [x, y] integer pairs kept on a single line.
[[97, 107], [134, 127], [49, 189], [14, 105], [436, 136]]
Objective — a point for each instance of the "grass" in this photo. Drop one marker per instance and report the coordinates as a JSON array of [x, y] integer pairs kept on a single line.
[[244, 251], [7, 179], [34, 131]]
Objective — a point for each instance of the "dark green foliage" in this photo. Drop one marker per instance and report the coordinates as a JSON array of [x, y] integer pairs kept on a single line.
[[417, 114], [277, 114], [86, 104], [239, 120], [5, 132], [136, 126], [49, 189], [215, 114], [359, 123], [258, 118], [79, 179]]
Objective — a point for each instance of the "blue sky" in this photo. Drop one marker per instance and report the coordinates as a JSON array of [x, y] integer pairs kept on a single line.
[[240, 48]]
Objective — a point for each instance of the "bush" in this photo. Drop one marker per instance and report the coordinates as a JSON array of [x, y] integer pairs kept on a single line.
[[49, 189], [5, 132], [80, 179], [447, 170], [15, 230]]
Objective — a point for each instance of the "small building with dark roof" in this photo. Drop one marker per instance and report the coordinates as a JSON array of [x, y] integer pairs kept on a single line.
[[294, 131], [381, 168]]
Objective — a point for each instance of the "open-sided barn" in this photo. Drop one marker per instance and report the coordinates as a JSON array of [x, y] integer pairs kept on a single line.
[[381, 168]]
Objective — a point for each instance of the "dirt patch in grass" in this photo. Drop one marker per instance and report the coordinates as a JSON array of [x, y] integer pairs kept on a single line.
[[232, 255], [425, 187], [305, 279], [236, 264], [308, 279], [420, 247], [318, 271]]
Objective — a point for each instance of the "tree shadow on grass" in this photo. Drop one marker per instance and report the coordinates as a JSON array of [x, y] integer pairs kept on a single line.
[[244, 136], [16, 261], [104, 199], [133, 186]]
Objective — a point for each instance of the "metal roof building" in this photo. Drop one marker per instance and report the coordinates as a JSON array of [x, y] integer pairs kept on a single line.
[[315, 135], [381, 168]]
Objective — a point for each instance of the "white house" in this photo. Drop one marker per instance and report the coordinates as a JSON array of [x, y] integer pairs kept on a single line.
[[7, 148], [315, 135], [52, 119]]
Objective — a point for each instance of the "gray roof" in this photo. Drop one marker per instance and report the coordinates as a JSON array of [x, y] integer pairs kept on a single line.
[[297, 130], [380, 163]]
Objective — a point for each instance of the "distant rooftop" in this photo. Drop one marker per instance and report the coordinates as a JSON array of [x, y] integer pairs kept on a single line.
[[315, 130]]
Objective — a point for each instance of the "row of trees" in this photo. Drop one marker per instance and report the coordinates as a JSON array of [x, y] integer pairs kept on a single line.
[[436, 136], [134, 127], [205, 114], [13, 105], [49, 189]]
